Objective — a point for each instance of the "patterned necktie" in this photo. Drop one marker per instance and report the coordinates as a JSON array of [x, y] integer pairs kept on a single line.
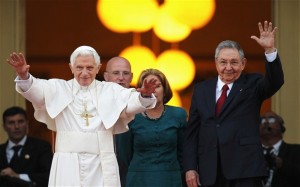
[[221, 99], [15, 159], [270, 161]]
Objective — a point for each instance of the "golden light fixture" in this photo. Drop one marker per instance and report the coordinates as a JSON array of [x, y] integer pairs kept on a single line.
[[140, 58], [193, 13], [167, 28], [172, 21], [175, 101], [127, 15], [178, 67]]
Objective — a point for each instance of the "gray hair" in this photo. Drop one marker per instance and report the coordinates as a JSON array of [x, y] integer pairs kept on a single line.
[[229, 44], [84, 51]]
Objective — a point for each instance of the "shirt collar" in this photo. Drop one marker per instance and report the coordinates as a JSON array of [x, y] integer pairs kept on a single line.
[[76, 86], [276, 147], [220, 85], [12, 144]]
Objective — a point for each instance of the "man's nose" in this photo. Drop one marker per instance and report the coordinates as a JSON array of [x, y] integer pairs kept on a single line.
[[17, 125], [85, 71], [228, 66]]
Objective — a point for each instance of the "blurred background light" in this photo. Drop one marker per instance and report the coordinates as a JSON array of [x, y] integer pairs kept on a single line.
[[127, 15], [193, 13], [140, 58], [175, 101], [178, 67], [168, 28]]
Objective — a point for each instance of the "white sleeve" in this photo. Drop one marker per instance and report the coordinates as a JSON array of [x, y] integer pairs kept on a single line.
[[24, 84]]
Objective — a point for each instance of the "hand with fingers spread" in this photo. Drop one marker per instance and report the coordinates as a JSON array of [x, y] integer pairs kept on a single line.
[[148, 87], [18, 62], [267, 36]]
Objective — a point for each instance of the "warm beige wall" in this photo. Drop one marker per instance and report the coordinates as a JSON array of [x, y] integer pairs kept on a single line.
[[286, 102], [12, 38]]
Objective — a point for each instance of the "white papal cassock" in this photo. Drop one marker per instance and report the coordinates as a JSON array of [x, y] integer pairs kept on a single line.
[[85, 119]]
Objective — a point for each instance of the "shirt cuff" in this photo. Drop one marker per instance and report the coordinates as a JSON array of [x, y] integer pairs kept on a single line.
[[24, 84], [147, 101], [271, 56], [24, 177]]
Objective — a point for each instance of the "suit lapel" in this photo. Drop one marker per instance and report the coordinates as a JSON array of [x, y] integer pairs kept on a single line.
[[282, 150], [236, 89], [210, 93], [25, 153]]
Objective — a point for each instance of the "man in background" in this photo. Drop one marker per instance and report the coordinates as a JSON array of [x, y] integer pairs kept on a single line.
[[24, 160], [118, 70], [283, 159]]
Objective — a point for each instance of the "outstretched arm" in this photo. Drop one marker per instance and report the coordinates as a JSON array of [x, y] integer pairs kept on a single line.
[[18, 62], [267, 36]]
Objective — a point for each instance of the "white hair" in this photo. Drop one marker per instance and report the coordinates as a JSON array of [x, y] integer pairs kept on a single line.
[[84, 51]]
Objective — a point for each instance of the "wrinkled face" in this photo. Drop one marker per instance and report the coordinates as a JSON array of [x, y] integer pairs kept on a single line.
[[85, 69], [119, 72], [16, 127], [269, 125], [229, 65], [159, 90]]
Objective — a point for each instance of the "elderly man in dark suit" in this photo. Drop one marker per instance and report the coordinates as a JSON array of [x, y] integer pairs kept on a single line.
[[222, 144], [283, 159], [24, 160]]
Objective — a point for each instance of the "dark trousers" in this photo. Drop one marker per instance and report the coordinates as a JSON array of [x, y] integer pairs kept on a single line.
[[221, 181]]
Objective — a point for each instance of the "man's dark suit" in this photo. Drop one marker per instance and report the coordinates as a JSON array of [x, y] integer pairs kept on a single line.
[[234, 133], [35, 160], [289, 173]]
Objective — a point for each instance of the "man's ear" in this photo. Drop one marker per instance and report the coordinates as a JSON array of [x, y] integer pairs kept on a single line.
[[98, 68], [71, 67], [105, 76], [244, 61]]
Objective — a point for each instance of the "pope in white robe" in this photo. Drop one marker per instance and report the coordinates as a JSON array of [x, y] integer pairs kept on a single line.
[[85, 113]]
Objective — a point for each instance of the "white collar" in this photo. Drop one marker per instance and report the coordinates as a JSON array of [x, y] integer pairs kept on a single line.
[[276, 147], [76, 86], [12, 144], [220, 85]]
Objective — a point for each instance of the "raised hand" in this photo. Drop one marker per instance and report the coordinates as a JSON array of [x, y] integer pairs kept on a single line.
[[267, 36], [18, 62], [148, 87]]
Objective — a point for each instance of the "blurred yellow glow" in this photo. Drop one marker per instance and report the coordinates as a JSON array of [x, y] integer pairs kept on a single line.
[[127, 15], [175, 101], [178, 67], [194, 13], [169, 29], [140, 58]]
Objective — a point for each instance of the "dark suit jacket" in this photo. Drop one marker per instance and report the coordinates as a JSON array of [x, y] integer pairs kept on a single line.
[[289, 173], [36, 158], [235, 133]]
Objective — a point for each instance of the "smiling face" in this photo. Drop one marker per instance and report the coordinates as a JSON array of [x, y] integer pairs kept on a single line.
[[229, 65], [85, 69]]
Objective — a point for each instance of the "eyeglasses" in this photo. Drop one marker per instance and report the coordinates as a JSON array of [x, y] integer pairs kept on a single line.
[[223, 63], [125, 74], [270, 120]]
